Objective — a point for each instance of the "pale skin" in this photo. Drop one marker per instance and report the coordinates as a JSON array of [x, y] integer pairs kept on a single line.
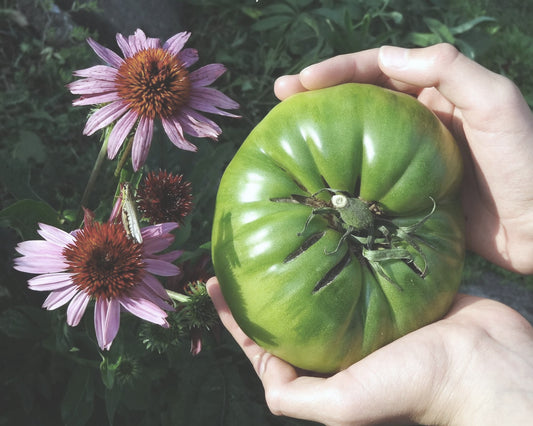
[[475, 366]]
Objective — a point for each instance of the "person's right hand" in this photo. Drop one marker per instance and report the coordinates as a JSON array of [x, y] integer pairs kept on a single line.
[[481, 108]]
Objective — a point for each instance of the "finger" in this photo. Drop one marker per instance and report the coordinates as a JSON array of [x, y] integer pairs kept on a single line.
[[287, 85], [466, 84], [360, 67]]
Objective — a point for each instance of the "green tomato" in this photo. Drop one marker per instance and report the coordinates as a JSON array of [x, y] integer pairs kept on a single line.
[[322, 283]]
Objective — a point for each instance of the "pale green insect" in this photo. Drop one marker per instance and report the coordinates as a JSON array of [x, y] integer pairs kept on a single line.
[[130, 219]]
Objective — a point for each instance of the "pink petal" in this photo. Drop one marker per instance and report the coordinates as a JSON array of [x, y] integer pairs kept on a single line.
[[89, 86], [161, 268], [206, 75], [174, 131], [106, 321], [142, 141], [145, 309], [156, 231], [105, 116], [155, 245], [98, 72], [55, 235], [124, 46], [152, 283], [195, 124], [40, 248], [207, 99], [146, 293], [107, 55], [47, 282], [76, 308], [97, 99], [188, 57], [120, 132], [171, 256], [175, 43], [59, 297]]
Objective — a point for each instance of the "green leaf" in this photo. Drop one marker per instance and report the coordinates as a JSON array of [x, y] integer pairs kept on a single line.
[[439, 29], [24, 215], [78, 401], [24, 322]]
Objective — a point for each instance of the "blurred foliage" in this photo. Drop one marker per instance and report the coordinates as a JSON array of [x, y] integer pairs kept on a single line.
[[53, 374]]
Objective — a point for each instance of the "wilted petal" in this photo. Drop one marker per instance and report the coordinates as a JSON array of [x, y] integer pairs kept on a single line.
[[106, 321], [76, 308]]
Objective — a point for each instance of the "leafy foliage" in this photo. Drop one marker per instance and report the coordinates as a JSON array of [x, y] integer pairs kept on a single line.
[[54, 373]]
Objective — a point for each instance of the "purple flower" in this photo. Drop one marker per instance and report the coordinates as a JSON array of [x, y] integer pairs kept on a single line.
[[100, 263], [150, 82]]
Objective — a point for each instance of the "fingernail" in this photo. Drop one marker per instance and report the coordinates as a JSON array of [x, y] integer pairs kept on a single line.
[[393, 57]]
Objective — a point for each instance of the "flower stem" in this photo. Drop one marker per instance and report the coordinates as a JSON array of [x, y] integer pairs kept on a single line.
[[92, 178], [178, 297]]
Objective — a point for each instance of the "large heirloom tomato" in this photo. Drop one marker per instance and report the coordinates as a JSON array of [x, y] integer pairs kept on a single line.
[[338, 226]]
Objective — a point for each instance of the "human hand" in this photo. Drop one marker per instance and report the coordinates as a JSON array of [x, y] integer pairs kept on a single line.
[[481, 108], [473, 367]]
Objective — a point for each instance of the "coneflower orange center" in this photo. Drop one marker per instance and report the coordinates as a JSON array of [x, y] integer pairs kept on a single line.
[[154, 83], [103, 261]]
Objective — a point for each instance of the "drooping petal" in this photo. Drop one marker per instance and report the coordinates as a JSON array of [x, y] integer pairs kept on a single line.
[[55, 235], [175, 43], [195, 124], [120, 131], [105, 116], [146, 293], [145, 310], [161, 268], [106, 54], [142, 141], [206, 75], [76, 308], [47, 282], [207, 99], [106, 321], [152, 283], [175, 133], [59, 297]]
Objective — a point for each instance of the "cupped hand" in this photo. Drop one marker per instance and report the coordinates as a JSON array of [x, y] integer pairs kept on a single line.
[[475, 366], [481, 108]]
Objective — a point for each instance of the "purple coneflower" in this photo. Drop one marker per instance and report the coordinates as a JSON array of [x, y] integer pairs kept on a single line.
[[100, 262], [151, 81]]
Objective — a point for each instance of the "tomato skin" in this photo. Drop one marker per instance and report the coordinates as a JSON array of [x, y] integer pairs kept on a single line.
[[380, 145]]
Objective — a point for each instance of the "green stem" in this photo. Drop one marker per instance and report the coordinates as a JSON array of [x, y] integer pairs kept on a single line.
[[92, 178], [179, 297]]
